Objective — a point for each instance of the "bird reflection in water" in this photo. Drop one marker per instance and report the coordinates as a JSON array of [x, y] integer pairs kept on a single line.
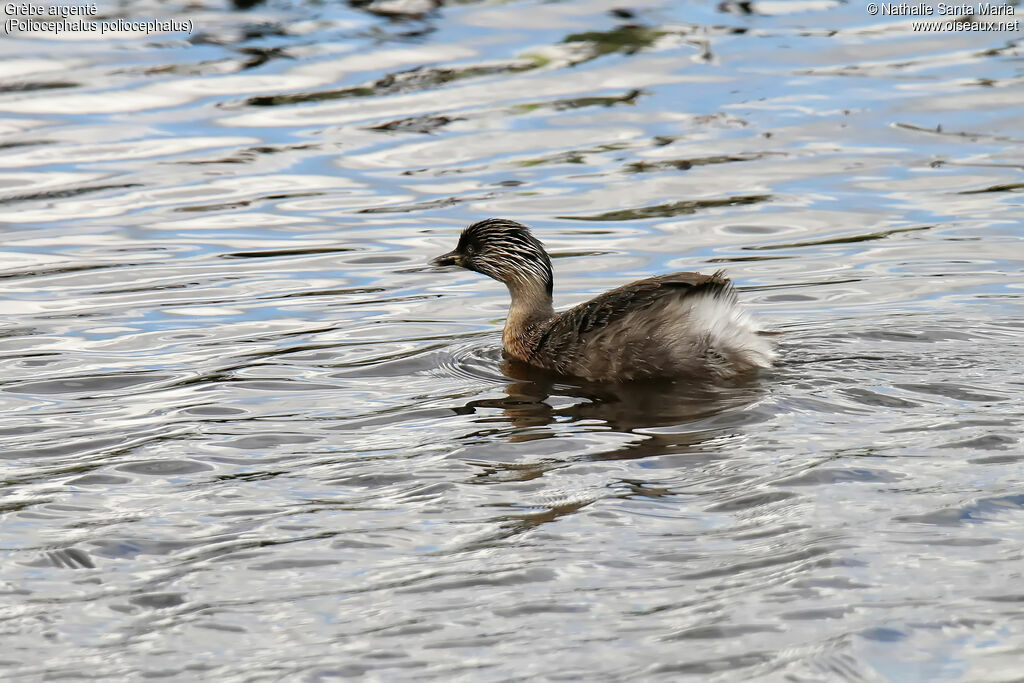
[[684, 414], [637, 420]]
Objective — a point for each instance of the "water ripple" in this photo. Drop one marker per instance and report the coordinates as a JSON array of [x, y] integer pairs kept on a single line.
[[248, 434]]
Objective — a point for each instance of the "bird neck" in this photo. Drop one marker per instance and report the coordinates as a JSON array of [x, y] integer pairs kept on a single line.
[[530, 309]]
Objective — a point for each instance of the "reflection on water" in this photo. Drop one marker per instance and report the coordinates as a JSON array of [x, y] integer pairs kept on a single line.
[[248, 436], [623, 407]]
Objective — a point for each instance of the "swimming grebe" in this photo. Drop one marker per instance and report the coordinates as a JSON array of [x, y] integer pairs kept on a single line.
[[683, 324]]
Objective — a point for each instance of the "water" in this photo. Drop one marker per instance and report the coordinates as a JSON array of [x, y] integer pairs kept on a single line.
[[248, 436]]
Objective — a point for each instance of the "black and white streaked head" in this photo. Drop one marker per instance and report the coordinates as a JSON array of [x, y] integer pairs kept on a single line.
[[504, 250]]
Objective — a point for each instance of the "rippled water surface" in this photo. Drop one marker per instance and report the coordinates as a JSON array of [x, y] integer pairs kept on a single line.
[[248, 436]]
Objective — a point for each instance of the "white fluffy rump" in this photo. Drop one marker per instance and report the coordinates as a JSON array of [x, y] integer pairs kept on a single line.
[[714, 328]]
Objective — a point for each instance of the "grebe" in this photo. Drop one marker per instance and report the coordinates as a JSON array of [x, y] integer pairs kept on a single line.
[[669, 326]]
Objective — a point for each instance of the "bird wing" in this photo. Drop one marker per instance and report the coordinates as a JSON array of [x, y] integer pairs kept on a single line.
[[605, 309]]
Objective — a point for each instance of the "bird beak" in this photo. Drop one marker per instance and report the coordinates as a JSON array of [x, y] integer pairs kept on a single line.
[[452, 258]]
